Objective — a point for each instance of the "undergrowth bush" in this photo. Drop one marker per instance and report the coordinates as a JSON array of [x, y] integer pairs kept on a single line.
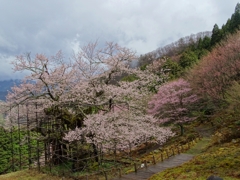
[[14, 150]]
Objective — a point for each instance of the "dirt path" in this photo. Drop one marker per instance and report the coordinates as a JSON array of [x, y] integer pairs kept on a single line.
[[199, 147], [205, 131]]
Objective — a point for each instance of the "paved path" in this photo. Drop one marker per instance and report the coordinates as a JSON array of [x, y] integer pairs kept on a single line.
[[146, 173]]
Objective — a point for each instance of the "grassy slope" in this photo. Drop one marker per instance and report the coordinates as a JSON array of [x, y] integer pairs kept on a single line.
[[28, 175], [221, 160]]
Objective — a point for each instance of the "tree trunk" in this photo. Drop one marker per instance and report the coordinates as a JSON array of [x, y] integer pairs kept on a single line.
[[212, 123], [95, 152], [181, 129], [58, 152]]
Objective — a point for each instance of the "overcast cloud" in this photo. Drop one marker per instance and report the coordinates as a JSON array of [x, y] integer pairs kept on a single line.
[[39, 26]]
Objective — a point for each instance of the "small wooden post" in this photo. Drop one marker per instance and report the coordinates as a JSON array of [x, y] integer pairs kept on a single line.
[[135, 167], [145, 163], [173, 152], [154, 160], [178, 150], [167, 153], [161, 157]]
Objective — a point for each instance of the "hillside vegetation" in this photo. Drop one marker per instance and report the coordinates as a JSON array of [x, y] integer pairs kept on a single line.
[[215, 78]]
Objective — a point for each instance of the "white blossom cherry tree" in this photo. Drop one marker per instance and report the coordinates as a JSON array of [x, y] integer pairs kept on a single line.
[[83, 92]]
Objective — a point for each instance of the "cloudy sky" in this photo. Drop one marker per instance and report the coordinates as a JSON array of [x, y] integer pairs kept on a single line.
[[39, 26]]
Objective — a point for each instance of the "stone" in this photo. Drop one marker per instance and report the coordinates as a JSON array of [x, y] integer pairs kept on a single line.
[[214, 178]]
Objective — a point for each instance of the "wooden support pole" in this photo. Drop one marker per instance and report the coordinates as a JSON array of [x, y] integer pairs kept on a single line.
[[105, 174], [119, 173]]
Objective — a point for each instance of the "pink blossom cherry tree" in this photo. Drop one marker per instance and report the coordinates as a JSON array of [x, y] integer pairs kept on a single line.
[[172, 103]]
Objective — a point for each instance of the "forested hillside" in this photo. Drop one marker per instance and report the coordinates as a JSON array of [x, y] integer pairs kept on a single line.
[[181, 55]]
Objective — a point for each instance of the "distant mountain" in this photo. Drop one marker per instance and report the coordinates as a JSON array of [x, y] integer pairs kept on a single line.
[[5, 86], [3, 95]]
